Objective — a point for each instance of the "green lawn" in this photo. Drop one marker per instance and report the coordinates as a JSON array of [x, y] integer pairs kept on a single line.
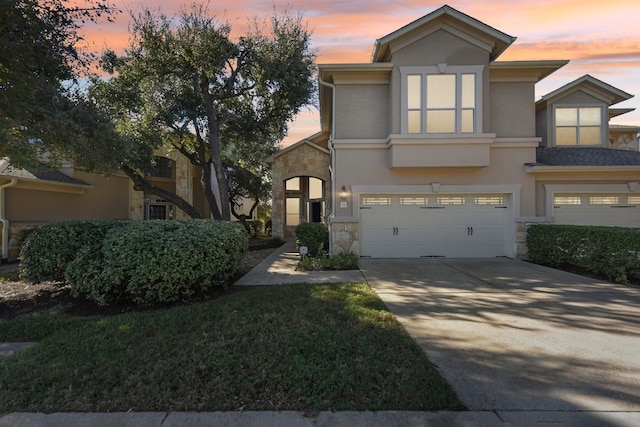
[[295, 347]]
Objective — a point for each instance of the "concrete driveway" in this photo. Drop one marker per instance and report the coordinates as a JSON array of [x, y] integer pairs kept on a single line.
[[513, 336]]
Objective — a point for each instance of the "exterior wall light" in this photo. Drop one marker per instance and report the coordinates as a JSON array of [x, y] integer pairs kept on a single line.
[[343, 193]]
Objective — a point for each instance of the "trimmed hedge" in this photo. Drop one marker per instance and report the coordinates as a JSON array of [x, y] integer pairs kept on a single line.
[[48, 250], [145, 262], [613, 252], [155, 262], [314, 235]]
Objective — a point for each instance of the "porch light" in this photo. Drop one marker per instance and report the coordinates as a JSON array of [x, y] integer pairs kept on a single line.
[[343, 193]]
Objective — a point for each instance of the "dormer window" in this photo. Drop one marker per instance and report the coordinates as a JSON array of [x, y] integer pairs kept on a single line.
[[578, 126], [441, 99]]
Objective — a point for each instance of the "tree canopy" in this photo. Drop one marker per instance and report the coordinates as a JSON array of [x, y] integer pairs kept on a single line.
[[191, 85], [40, 109]]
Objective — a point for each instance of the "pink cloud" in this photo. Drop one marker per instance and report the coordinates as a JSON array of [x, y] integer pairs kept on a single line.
[[599, 37]]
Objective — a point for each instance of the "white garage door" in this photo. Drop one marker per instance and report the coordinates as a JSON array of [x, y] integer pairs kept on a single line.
[[457, 226], [597, 209]]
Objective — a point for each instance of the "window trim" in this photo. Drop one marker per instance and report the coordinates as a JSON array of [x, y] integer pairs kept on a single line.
[[441, 69], [603, 123]]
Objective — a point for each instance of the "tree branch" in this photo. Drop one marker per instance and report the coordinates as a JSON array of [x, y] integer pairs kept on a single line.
[[141, 184]]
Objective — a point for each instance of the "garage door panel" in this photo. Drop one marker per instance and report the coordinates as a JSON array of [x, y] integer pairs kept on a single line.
[[451, 226], [596, 209]]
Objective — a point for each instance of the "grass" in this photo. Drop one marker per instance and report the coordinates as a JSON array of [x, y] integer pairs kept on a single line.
[[11, 275], [294, 347]]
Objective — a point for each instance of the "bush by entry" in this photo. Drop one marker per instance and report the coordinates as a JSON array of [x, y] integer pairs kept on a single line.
[[145, 262]]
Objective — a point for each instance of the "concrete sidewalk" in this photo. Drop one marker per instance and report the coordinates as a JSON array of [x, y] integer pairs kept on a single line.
[[322, 419], [280, 268]]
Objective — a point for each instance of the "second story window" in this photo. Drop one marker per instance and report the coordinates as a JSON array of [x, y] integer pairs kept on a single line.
[[578, 126], [440, 102], [162, 168]]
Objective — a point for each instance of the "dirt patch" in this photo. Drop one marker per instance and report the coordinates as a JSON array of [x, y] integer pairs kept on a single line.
[[19, 298]]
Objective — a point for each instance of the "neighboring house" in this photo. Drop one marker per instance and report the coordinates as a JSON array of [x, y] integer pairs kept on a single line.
[[436, 149], [31, 198]]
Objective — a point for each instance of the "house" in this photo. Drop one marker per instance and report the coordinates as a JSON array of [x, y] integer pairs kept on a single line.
[[30, 198], [437, 149]]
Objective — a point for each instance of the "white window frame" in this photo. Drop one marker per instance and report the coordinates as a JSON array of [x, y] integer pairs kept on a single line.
[[603, 122], [441, 69]]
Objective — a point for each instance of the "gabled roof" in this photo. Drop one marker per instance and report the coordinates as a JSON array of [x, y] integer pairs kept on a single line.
[[499, 40], [589, 84], [311, 141], [615, 112], [585, 156]]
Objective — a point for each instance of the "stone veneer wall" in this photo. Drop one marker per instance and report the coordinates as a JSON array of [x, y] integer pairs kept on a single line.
[[621, 140], [16, 236], [136, 203], [345, 237], [522, 251], [184, 189], [184, 181], [304, 160]]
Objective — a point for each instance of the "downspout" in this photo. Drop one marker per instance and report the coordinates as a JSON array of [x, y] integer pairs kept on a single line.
[[333, 158], [5, 221]]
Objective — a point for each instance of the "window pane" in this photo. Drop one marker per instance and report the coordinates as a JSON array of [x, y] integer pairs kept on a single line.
[[566, 116], [441, 121], [157, 212], [413, 92], [468, 91], [633, 200], [315, 188], [590, 116], [414, 201], [376, 201], [566, 136], [293, 211], [490, 200], [293, 184], [604, 200], [590, 136], [467, 124], [414, 121], [566, 200], [441, 91], [450, 200], [161, 168]]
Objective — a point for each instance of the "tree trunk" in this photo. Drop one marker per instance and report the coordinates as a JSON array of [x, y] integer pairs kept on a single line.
[[140, 184], [223, 187], [208, 191]]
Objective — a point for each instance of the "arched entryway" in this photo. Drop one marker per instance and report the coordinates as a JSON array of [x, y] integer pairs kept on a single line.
[[305, 201], [301, 185]]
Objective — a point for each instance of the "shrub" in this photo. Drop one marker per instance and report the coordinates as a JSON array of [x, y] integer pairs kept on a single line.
[[154, 262], [314, 235], [343, 261], [48, 250], [613, 252]]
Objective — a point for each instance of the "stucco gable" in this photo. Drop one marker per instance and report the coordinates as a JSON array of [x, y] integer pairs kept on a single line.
[[588, 85], [454, 21]]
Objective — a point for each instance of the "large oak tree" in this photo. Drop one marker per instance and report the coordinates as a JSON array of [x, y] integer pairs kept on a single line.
[[189, 84], [41, 110]]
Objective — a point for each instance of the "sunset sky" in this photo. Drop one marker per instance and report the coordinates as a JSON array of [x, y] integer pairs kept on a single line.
[[601, 38]]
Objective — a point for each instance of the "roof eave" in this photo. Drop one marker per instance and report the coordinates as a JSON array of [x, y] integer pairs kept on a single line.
[[529, 168]]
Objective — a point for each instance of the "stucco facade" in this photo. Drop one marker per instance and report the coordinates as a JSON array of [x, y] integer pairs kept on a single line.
[[435, 123]]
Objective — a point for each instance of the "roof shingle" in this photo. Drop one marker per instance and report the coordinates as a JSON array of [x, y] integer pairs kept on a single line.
[[585, 156]]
